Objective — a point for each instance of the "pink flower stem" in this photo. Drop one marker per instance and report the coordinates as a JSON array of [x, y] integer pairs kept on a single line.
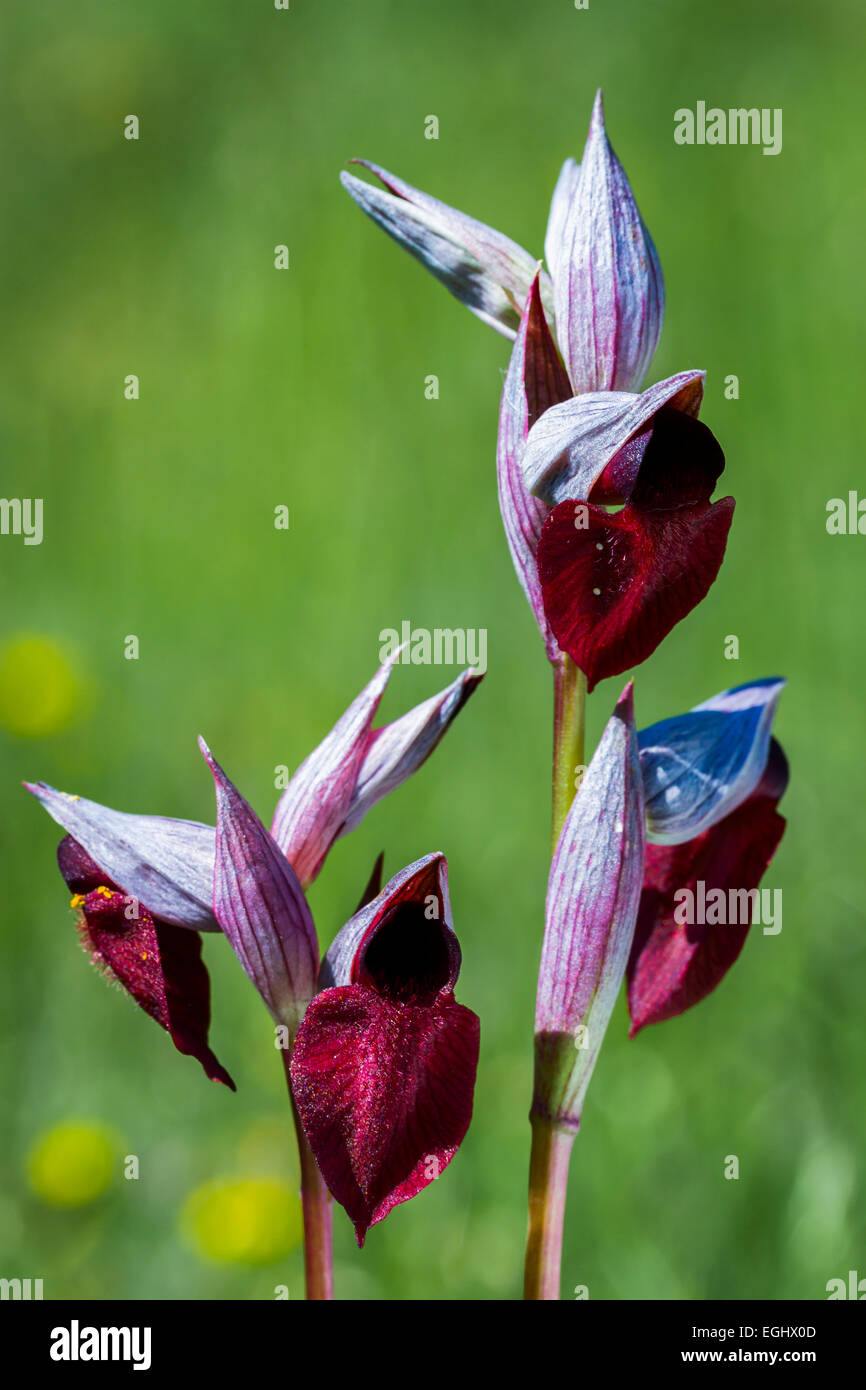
[[548, 1181]]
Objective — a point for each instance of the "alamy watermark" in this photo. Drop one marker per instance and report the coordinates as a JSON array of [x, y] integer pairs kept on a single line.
[[22, 516], [715, 907], [77, 1343], [438, 646], [21, 1289], [736, 126]]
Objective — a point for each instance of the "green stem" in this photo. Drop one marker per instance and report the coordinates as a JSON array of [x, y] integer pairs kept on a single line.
[[569, 719], [548, 1180], [316, 1208], [551, 1145]]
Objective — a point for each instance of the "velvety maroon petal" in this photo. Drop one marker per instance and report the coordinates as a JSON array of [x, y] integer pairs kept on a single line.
[[384, 1091], [159, 965], [614, 584], [674, 965]]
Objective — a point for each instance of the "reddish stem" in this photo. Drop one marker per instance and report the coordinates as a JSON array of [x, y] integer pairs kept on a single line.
[[317, 1212]]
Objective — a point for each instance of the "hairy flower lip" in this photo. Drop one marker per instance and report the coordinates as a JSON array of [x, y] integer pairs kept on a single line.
[[157, 964], [384, 1092], [615, 584]]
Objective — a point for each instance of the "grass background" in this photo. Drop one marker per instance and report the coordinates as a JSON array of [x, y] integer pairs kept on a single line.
[[306, 388]]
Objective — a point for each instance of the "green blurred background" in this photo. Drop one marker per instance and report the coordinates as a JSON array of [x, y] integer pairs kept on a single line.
[[306, 387]]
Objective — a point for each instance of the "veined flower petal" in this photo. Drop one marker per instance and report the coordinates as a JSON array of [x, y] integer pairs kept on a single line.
[[592, 902], [614, 584], [315, 804], [166, 864], [485, 270], [260, 905], [383, 1069], [572, 444], [560, 206], [159, 965], [699, 766], [396, 751], [536, 380], [384, 1093], [608, 285]]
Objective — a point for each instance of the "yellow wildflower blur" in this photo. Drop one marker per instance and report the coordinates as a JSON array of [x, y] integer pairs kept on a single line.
[[40, 692], [250, 1221], [73, 1163]]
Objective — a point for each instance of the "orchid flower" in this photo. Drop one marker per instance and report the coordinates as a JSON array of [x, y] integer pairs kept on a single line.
[[713, 779], [703, 788], [383, 1060], [138, 880], [576, 435], [145, 886], [384, 1065], [606, 587]]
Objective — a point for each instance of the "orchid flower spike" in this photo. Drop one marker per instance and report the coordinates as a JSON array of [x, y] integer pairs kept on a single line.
[[144, 885], [712, 779], [383, 1069], [576, 434]]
